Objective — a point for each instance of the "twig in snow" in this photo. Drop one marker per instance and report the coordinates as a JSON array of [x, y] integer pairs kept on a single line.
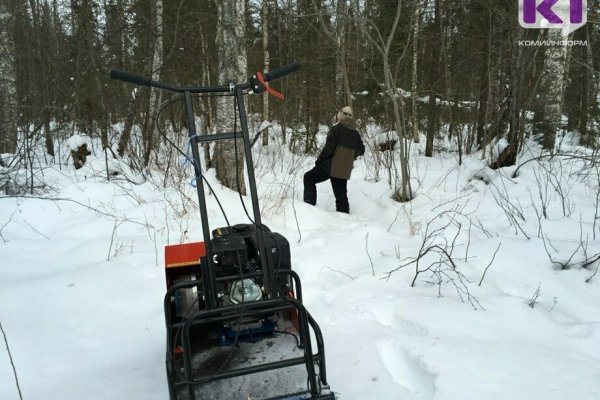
[[394, 221], [35, 230], [513, 210], [5, 225], [296, 214], [536, 295], [339, 272], [596, 214], [555, 300], [590, 262], [367, 249], [469, 244], [76, 202], [568, 155], [11, 361], [564, 265], [112, 238], [490, 263], [588, 280]]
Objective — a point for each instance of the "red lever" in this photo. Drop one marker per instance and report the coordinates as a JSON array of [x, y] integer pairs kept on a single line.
[[268, 88]]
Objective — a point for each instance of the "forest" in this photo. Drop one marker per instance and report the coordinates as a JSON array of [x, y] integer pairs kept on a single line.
[[467, 267], [458, 74]]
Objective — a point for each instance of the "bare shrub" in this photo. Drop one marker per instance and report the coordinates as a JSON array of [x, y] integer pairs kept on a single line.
[[436, 256], [512, 208]]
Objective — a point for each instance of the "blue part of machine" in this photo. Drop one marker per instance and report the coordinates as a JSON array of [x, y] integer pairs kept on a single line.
[[247, 333]]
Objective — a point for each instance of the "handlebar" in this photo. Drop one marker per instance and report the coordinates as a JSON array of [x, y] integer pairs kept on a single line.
[[129, 77], [275, 74], [282, 71]]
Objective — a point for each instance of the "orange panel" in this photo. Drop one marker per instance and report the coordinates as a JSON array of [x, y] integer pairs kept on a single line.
[[181, 255]]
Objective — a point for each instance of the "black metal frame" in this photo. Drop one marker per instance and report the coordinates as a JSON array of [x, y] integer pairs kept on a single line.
[[274, 301]]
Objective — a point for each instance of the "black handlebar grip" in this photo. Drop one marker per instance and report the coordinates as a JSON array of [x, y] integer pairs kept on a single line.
[[129, 77], [282, 71]]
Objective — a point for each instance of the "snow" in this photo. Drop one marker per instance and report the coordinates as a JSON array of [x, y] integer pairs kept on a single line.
[[82, 282], [264, 125], [76, 141]]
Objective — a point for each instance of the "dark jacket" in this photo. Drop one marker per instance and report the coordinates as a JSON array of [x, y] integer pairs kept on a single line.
[[342, 147]]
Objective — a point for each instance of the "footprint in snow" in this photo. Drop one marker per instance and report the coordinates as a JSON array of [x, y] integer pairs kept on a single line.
[[407, 370]]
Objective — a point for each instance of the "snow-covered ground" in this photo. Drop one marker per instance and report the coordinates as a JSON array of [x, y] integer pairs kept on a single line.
[[82, 280]]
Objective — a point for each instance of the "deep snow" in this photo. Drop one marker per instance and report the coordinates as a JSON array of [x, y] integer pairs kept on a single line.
[[82, 281]]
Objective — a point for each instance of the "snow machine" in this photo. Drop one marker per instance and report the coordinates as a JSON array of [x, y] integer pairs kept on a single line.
[[236, 325]]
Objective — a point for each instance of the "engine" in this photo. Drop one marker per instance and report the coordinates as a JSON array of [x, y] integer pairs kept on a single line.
[[235, 252]]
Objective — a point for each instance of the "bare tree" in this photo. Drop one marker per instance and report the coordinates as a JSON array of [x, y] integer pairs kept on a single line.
[[228, 159], [383, 46], [337, 35], [8, 100], [552, 88], [415, 71], [266, 62], [157, 61], [434, 65]]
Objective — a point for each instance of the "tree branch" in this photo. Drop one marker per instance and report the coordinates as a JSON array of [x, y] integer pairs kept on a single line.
[[12, 363]]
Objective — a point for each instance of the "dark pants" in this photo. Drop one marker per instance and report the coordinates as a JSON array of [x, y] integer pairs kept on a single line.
[[317, 175]]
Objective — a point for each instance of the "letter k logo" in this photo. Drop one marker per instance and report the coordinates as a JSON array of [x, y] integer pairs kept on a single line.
[[567, 15], [545, 9]]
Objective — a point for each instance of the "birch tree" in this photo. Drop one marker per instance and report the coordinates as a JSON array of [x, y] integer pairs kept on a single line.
[[157, 61], [266, 62], [232, 62]]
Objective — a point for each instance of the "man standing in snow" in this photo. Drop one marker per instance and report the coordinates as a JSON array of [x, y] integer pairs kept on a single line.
[[342, 147]]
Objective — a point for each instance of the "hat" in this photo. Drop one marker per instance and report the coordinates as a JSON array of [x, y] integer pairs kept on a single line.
[[346, 117]]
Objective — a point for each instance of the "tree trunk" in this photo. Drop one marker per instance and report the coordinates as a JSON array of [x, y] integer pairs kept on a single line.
[[508, 156], [206, 103], [587, 82], [338, 36], [415, 118], [552, 89], [8, 90], [125, 138], [157, 61], [228, 160], [341, 44], [515, 133], [266, 60], [577, 90], [383, 46], [431, 117], [432, 109]]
